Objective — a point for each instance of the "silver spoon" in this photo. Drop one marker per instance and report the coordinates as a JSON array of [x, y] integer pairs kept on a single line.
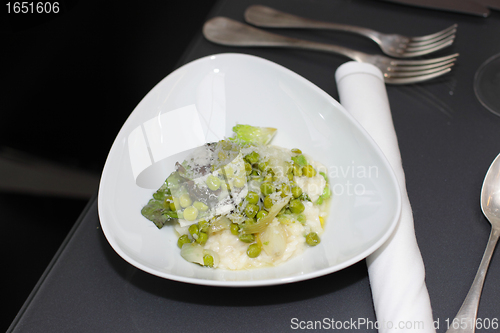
[[465, 320]]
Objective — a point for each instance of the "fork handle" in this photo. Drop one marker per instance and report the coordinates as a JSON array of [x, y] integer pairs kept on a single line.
[[225, 31], [266, 17], [465, 320]]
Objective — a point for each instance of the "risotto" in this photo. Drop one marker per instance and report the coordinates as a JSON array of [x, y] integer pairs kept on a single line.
[[241, 203]]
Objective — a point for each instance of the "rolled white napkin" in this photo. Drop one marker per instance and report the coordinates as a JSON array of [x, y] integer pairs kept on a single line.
[[396, 270]]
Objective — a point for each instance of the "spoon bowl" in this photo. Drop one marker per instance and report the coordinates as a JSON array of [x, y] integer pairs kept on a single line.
[[490, 194], [465, 320]]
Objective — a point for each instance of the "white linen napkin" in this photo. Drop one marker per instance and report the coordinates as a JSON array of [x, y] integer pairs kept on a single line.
[[396, 270]]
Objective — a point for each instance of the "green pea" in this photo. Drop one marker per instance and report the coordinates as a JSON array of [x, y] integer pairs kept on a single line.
[[252, 158], [296, 191], [268, 177], [301, 218], [296, 206], [172, 206], [247, 238], [250, 220], [285, 190], [235, 229], [268, 202], [200, 206], [319, 201], [262, 166], [202, 238], [262, 213], [266, 188], [183, 239], [251, 210], [252, 197], [312, 239], [290, 176], [309, 171], [297, 170], [203, 226], [208, 260], [213, 182], [248, 168], [190, 213], [193, 229], [254, 250], [185, 200]]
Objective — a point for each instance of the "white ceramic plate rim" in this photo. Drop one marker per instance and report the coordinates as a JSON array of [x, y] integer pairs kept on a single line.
[[106, 224]]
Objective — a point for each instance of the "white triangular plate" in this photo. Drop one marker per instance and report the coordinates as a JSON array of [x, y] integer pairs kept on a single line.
[[200, 102]]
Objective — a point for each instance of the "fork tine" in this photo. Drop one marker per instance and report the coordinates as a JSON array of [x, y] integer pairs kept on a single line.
[[416, 71], [434, 35], [432, 40], [413, 68], [419, 47], [415, 52], [416, 79], [402, 67], [449, 35], [422, 62]]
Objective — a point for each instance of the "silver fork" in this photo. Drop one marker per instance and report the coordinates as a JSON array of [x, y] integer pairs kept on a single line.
[[393, 45], [225, 31]]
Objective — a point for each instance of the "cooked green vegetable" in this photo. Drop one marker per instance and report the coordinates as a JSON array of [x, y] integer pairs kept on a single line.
[[300, 160], [308, 171], [263, 222], [268, 202], [157, 213], [247, 134], [247, 238], [251, 210], [296, 191], [261, 214], [190, 213], [183, 239], [202, 238], [240, 190], [235, 229], [193, 230], [296, 206], [252, 197], [252, 158], [203, 226], [213, 182], [208, 260], [254, 250], [267, 188], [312, 239]]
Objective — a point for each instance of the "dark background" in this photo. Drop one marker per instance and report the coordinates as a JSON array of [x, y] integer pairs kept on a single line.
[[69, 82]]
